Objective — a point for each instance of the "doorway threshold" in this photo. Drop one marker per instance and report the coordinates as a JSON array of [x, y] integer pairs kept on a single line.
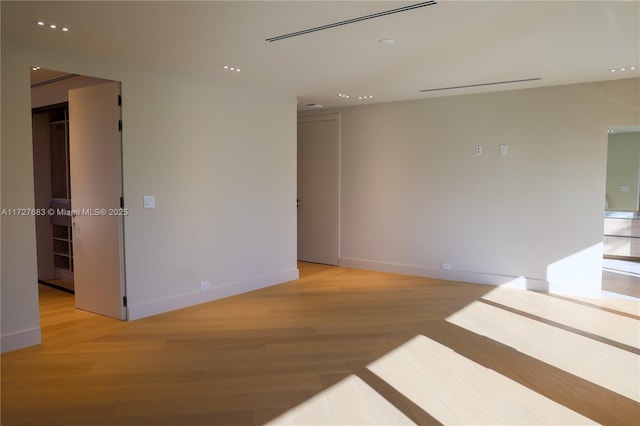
[[61, 285]]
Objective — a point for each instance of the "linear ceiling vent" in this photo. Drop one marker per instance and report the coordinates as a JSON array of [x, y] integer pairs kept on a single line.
[[54, 80], [351, 21], [481, 84]]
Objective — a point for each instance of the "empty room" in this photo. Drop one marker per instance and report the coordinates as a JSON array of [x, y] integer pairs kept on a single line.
[[311, 212]]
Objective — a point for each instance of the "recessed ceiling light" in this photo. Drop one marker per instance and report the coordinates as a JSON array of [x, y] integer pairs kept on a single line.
[[342, 95], [230, 68], [623, 69], [35, 68], [365, 97], [51, 26], [386, 41]]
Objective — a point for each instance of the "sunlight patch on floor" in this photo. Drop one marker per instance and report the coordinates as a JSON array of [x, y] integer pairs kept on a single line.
[[456, 390], [443, 383], [602, 323], [610, 367], [349, 402], [588, 339]]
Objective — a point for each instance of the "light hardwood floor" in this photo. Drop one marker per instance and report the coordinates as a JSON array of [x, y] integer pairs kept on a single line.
[[338, 346]]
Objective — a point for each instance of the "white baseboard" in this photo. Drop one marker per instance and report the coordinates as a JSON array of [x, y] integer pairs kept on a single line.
[[524, 283], [20, 339], [155, 307]]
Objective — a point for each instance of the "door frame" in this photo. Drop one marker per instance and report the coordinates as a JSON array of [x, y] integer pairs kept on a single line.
[[56, 99]]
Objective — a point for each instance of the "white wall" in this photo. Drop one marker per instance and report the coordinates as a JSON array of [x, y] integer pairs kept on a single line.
[[415, 195], [221, 160], [20, 323]]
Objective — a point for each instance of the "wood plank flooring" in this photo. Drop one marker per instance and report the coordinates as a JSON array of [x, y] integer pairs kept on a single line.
[[338, 346]]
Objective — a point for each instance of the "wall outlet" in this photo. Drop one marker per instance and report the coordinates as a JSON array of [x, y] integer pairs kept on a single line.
[[446, 266], [204, 285], [478, 149]]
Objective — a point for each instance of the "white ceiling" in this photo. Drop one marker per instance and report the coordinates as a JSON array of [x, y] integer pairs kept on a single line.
[[452, 43]]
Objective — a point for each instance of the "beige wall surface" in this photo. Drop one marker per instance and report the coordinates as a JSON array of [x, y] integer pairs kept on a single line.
[[220, 159], [20, 322], [623, 170], [415, 195]]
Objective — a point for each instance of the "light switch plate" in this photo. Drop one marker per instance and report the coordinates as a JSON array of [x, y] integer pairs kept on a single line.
[[149, 201]]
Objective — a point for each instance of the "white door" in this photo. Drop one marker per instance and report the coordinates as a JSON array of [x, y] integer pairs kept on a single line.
[[318, 193], [96, 188]]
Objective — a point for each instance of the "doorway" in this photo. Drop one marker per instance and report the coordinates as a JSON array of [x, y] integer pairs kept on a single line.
[[621, 263], [50, 130], [78, 184], [318, 189]]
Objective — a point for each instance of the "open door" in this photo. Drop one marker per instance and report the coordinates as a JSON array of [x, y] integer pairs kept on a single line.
[[95, 150]]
